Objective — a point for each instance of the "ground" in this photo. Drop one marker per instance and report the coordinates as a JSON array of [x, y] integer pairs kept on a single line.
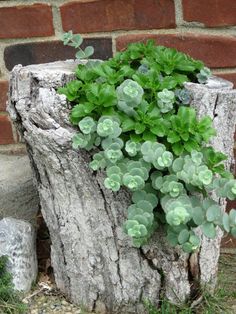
[[50, 301]]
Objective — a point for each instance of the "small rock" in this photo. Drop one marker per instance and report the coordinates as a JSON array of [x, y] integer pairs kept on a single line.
[[17, 241]]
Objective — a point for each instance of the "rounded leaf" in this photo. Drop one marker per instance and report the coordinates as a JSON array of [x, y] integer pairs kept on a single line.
[[225, 221], [209, 230], [88, 51], [145, 206], [183, 236], [213, 213]]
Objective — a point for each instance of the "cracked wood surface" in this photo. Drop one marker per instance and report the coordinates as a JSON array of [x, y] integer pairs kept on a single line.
[[93, 260]]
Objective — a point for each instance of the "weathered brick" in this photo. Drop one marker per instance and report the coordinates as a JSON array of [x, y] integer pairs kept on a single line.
[[213, 13], [3, 95], [228, 76], [107, 15], [41, 52], [215, 51], [6, 136], [26, 21]]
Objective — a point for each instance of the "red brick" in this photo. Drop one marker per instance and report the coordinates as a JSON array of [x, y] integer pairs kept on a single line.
[[6, 136], [49, 51], [3, 95], [26, 21], [213, 13], [215, 51], [110, 15], [228, 76]]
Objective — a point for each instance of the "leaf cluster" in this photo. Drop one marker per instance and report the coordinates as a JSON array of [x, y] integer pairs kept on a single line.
[[133, 114], [76, 41]]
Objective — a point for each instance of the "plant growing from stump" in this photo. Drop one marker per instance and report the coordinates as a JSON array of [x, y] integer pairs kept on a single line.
[[133, 114]]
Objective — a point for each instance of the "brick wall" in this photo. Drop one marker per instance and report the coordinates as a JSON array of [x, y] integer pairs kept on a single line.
[[30, 33]]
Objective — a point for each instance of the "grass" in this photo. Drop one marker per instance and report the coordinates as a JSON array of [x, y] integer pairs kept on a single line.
[[221, 302], [211, 304], [10, 302], [167, 308]]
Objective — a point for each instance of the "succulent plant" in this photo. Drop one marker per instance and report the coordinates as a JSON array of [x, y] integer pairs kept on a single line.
[[204, 74], [225, 187], [132, 148], [165, 100], [178, 210], [113, 153], [107, 127], [183, 96], [98, 162], [143, 68], [133, 116], [85, 141], [191, 169], [133, 182], [140, 221], [87, 125], [130, 92], [113, 182]]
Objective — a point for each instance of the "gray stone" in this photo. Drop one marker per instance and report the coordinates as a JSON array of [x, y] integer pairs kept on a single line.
[[17, 241], [19, 204], [18, 195]]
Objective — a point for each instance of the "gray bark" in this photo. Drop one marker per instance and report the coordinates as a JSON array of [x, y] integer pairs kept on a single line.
[[216, 99], [93, 260]]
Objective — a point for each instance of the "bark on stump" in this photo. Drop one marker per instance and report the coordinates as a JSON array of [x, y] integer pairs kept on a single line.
[[93, 260]]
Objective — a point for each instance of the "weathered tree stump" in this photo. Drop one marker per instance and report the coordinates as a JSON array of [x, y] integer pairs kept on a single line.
[[94, 262]]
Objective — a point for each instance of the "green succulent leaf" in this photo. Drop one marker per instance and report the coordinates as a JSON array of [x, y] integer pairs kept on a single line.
[[209, 230], [130, 92], [213, 213], [226, 222], [88, 51], [87, 125], [183, 236], [113, 182], [198, 216]]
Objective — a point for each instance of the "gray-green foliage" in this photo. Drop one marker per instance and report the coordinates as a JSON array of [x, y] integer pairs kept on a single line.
[[165, 100], [192, 170], [129, 95], [203, 75], [173, 179], [183, 96], [133, 109], [76, 41]]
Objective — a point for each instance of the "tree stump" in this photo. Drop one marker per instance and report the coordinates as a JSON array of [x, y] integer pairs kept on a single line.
[[94, 262]]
